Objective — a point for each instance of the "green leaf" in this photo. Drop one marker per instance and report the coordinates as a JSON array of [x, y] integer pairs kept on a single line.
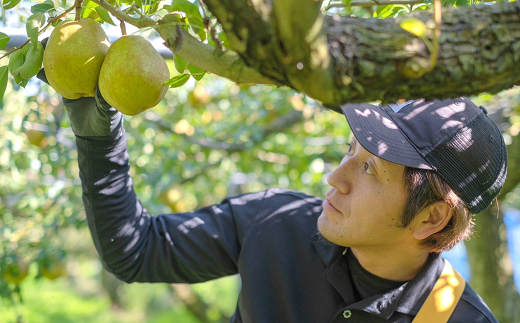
[[32, 64], [178, 80], [414, 26], [448, 3], [3, 80], [197, 25], [348, 6], [152, 8], [33, 25], [9, 4], [389, 11], [197, 73], [90, 4], [180, 63], [4, 40], [16, 60], [85, 12], [462, 3], [185, 6], [104, 15], [46, 6]]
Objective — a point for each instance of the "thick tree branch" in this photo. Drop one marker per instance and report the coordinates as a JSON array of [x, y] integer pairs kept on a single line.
[[374, 59], [283, 40], [377, 60], [308, 66]]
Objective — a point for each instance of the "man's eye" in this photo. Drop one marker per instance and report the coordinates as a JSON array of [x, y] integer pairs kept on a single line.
[[368, 169], [349, 149]]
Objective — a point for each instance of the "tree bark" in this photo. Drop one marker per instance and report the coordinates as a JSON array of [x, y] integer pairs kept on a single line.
[[491, 266], [371, 59]]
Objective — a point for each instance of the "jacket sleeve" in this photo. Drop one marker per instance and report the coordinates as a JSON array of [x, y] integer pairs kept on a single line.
[[138, 247]]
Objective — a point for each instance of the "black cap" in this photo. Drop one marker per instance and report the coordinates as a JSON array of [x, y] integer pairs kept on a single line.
[[453, 137]]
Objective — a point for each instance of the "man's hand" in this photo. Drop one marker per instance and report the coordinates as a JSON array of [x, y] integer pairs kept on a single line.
[[92, 118]]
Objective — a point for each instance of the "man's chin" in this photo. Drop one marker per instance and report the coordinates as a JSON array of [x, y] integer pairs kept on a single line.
[[324, 230], [322, 238]]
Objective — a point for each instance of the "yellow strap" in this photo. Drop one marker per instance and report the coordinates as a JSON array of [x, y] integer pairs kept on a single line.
[[443, 298]]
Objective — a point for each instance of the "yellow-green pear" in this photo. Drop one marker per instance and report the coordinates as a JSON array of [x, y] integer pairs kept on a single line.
[[133, 75], [73, 57]]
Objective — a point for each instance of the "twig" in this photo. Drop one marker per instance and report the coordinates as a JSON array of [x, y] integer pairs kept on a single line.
[[214, 36], [209, 27], [372, 3], [14, 50]]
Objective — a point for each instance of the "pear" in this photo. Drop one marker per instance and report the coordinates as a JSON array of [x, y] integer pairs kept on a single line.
[[133, 75], [73, 57]]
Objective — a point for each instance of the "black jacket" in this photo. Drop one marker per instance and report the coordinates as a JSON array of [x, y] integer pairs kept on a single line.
[[270, 238]]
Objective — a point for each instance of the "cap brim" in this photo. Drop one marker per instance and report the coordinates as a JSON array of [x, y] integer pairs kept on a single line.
[[377, 133]]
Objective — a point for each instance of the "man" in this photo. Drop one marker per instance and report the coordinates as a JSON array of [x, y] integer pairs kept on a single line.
[[406, 190]]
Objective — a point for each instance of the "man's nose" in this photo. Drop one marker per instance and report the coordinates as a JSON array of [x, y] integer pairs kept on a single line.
[[340, 178]]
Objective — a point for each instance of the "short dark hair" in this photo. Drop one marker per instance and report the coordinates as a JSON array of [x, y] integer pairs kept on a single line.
[[426, 187]]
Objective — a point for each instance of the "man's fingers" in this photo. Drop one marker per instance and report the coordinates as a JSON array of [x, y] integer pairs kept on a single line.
[[44, 42], [41, 75]]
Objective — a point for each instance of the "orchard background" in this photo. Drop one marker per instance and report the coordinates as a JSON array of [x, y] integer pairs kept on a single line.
[[244, 126]]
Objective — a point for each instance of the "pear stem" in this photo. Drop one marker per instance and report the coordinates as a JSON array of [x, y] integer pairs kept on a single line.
[[77, 4], [123, 27]]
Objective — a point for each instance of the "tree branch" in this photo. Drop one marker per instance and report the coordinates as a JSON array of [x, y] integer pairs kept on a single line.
[[478, 52], [226, 64], [306, 60], [370, 59]]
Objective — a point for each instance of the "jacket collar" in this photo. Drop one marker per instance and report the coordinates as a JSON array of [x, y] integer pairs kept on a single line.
[[406, 299]]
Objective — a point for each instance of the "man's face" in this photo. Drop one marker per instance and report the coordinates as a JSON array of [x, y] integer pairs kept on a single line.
[[363, 206]]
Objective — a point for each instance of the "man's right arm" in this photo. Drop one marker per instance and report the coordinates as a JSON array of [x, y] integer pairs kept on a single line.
[[133, 244], [136, 246]]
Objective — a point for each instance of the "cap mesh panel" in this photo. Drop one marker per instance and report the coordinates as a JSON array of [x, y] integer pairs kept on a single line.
[[473, 162]]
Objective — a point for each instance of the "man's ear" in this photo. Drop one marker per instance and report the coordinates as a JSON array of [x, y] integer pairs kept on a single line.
[[432, 220]]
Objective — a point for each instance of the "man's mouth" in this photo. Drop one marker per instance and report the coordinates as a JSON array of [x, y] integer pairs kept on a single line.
[[328, 205]]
